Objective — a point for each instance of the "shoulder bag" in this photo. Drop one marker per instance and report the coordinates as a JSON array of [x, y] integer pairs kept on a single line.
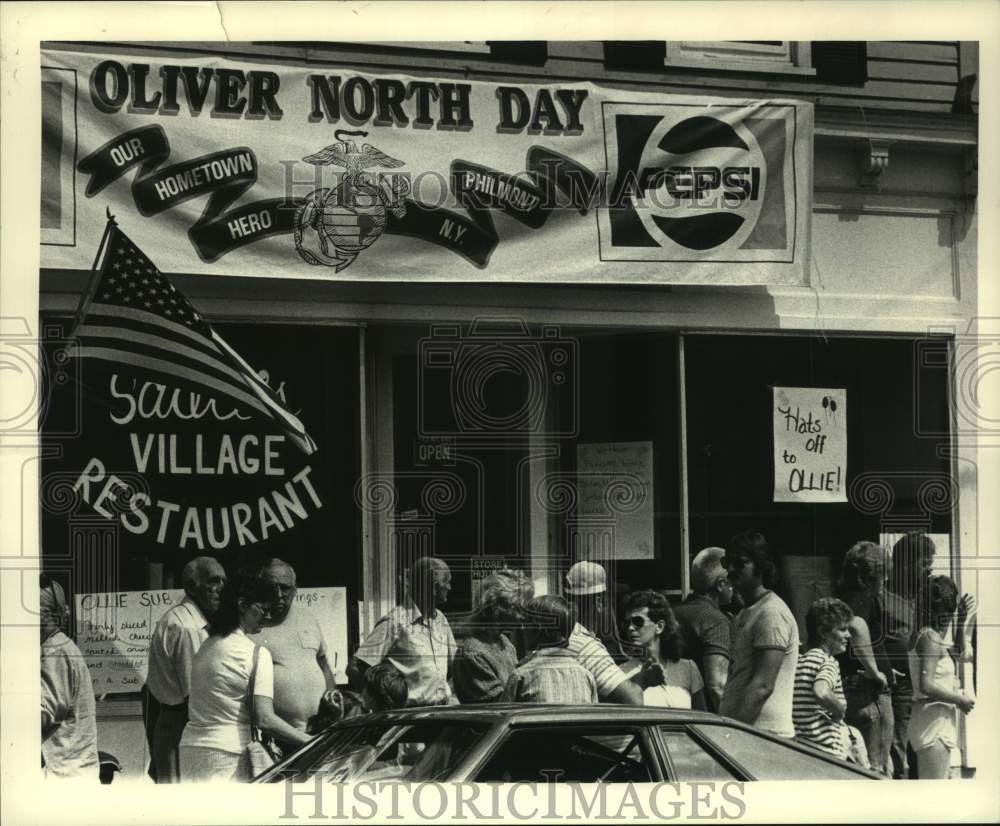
[[256, 756]]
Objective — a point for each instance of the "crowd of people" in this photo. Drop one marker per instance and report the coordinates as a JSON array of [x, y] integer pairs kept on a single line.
[[238, 669]]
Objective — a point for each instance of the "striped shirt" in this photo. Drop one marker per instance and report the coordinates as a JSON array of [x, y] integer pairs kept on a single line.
[[550, 675], [590, 652], [812, 722]]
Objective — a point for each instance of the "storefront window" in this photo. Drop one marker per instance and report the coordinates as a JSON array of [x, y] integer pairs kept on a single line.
[[898, 473], [536, 450], [466, 405], [628, 432], [216, 483]]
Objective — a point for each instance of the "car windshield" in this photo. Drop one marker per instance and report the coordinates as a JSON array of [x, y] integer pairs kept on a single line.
[[384, 751]]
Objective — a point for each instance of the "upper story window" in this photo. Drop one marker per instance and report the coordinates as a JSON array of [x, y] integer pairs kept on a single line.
[[530, 52], [785, 56], [467, 46]]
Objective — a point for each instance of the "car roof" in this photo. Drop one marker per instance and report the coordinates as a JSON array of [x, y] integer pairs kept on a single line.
[[515, 713]]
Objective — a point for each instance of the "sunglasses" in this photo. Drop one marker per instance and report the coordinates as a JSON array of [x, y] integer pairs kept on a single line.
[[635, 621]]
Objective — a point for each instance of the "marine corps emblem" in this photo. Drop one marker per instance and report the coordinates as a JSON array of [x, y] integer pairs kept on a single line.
[[350, 217]]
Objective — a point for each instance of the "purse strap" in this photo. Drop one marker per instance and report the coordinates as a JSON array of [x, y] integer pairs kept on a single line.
[[254, 736]]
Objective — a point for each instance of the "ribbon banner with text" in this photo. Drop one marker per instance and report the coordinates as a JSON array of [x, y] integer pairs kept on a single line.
[[307, 172]]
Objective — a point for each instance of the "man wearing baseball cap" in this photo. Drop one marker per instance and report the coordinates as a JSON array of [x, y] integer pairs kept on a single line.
[[585, 586]]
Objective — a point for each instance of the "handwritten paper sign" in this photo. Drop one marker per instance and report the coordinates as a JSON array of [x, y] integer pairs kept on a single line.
[[113, 631], [615, 482], [810, 445], [330, 607]]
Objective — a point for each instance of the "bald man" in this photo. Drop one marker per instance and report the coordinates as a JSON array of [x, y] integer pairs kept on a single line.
[[302, 673], [705, 627], [415, 637], [178, 635], [69, 722]]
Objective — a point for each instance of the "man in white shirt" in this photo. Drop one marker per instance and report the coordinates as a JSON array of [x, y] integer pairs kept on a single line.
[[69, 722], [177, 637], [765, 647], [292, 635], [415, 637]]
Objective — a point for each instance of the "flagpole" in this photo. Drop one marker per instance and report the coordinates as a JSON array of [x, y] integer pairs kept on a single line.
[[95, 276]]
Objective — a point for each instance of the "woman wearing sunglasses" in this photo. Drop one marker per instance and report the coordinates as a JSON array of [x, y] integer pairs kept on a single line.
[[649, 624], [232, 689]]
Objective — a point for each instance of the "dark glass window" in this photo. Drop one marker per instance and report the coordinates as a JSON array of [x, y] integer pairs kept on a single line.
[[569, 753], [689, 761], [766, 759], [314, 368], [897, 425]]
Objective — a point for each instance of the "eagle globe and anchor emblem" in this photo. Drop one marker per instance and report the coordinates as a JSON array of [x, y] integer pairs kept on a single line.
[[350, 217]]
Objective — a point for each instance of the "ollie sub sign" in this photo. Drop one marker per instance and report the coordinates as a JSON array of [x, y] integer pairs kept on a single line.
[[113, 631], [810, 444]]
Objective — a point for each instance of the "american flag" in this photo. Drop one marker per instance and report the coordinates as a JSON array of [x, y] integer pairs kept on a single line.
[[136, 317]]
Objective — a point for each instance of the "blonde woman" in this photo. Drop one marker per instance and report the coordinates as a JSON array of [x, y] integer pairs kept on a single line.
[[486, 657]]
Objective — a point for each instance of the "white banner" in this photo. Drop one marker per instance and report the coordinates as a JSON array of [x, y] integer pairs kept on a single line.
[[810, 445], [219, 166]]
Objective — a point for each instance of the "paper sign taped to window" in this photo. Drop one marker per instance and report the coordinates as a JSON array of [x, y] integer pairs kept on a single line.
[[810, 444], [113, 631]]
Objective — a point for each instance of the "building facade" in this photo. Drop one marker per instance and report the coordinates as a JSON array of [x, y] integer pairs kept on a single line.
[[545, 407]]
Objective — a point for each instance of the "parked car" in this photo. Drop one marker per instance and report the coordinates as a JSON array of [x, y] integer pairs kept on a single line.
[[553, 743]]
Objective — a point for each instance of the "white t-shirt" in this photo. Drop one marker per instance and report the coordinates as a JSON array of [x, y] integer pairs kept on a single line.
[[768, 624], [682, 680], [218, 716]]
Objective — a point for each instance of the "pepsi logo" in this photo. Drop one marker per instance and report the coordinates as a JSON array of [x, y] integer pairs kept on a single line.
[[699, 183]]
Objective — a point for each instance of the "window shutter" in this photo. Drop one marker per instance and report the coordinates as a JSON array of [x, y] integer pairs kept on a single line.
[[643, 55], [840, 61], [527, 52]]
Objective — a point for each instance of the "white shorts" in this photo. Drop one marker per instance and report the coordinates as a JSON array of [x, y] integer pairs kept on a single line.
[[931, 723]]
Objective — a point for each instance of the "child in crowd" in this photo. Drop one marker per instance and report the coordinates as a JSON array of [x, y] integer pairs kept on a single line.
[[818, 704], [550, 673], [384, 689]]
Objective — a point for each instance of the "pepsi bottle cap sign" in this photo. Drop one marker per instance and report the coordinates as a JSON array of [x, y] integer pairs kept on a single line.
[[713, 183]]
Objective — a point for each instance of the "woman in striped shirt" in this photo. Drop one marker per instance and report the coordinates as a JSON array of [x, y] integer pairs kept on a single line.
[[818, 704]]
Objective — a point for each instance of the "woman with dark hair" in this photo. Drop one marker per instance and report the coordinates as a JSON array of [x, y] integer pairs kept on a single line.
[[932, 731], [486, 657], [865, 665], [225, 672], [910, 568], [649, 624]]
